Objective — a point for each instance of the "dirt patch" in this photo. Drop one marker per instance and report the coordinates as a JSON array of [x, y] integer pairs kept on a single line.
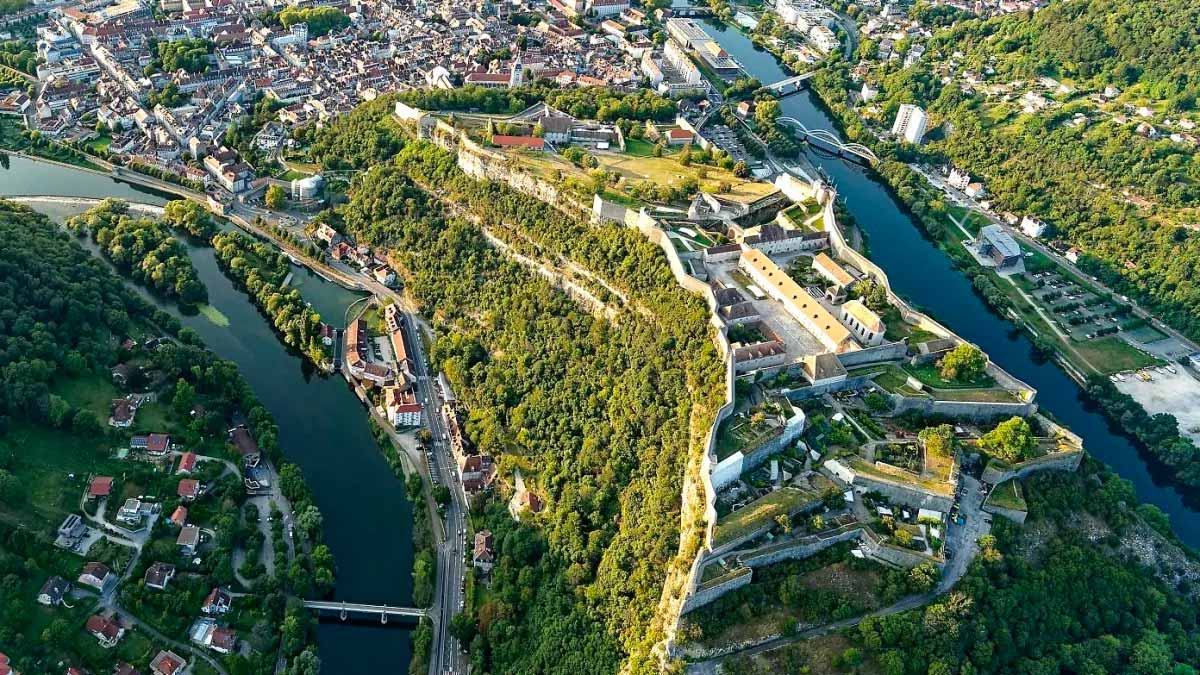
[[847, 582], [817, 655]]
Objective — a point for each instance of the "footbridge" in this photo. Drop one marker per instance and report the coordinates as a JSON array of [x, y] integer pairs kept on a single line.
[[791, 85], [826, 140], [345, 610]]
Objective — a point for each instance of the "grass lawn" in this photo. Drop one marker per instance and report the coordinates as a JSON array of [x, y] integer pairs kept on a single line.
[[750, 517], [640, 147], [993, 395], [153, 418], [1008, 495], [90, 391], [46, 460], [928, 374], [894, 380], [934, 478], [1113, 354]]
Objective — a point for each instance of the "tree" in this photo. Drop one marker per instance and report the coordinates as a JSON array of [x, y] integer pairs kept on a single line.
[[963, 363], [938, 440], [275, 198], [741, 169], [462, 627], [1012, 440], [765, 114]]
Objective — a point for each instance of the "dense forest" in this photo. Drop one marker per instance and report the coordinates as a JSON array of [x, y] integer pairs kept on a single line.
[[260, 269], [61, 311], [63, 317], [599, 415], [1122, 197], [142, 248], [1046, 599]]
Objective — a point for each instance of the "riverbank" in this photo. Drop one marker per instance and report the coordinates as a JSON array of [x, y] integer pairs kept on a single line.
[[367, 519], [924, 274]]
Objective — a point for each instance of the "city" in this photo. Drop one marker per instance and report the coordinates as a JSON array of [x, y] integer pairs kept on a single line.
[[707, 338]]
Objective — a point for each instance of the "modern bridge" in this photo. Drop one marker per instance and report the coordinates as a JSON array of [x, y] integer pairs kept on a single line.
[[791, 85], [827, 140], [346, 609]]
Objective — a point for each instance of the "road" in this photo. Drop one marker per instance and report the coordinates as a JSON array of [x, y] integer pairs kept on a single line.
[[447, 657]]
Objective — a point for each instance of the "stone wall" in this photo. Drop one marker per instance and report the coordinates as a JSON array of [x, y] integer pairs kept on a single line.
[[801, 548], [718, 587], [1014, 515], [1059, 461], [970, 409], [889, 351], [902, 493], [813, 391]]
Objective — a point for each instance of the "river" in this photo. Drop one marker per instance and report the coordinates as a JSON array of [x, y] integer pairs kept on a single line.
[[920, 272], [322, 428]]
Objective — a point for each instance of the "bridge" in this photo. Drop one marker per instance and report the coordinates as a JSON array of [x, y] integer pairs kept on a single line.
[[345, 609], [826, 140], [791, 85]]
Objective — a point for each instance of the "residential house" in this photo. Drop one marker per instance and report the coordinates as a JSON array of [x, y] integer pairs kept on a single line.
[[402, 407], [134, 510], [159, 575], [53, 591], [187, 463], [155, 445], [100, 487], [97, 575], [217, 602], [107, 631], [168, 663], [123, 412], [245, 445], [5, 667], [484, 556], [189, 489], [179, 517], [477, 472], [188, 540]]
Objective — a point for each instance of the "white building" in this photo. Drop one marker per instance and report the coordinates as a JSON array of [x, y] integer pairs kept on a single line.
[[1032, 227], [959, 180], [823, 39], [910, 123]]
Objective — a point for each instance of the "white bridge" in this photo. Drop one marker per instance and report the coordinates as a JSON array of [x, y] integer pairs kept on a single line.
[[790, 85], [826, 140], [345, 609]]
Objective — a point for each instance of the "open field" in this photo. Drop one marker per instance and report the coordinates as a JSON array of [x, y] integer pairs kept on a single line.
[[1113, 355], [53, 467]]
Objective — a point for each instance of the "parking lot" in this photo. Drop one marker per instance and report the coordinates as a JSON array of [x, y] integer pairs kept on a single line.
[[1078, 311]]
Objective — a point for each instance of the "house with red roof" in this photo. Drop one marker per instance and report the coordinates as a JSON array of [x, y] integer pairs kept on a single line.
[[107, 631], [217, 602], [168, 663], [187, 463], [189, 489], [101, 486], [5, 667], [97, 575], [179, 517]]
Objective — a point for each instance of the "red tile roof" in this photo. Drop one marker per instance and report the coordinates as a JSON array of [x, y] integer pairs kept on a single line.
[[101, 486], [532, 142], [188, 487], [187, 463]]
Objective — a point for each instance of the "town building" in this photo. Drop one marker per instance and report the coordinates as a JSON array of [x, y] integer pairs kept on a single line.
[[217, 602], [804, 308], [483, 556], [910, 123], [168, 663], [998, 245]]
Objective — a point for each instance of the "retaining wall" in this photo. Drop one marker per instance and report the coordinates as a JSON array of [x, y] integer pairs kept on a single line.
[[710, 592], [1014, 515], [971, 409], [904, 494], [1059, 461], [799, 549], [890, 351]]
